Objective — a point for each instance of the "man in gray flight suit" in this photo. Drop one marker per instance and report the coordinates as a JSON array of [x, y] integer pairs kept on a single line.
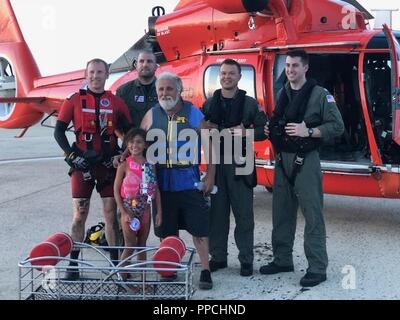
[[140, 95], [305, 115], [231, 109]]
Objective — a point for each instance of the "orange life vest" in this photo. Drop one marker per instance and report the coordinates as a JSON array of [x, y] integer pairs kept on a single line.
[[97, 120]]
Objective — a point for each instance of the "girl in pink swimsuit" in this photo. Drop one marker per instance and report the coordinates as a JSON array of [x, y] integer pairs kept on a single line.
[[135, 188]]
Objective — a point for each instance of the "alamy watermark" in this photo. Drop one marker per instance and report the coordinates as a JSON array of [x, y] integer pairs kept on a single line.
[[49, 20], [219, 147], [349, 21], [49, 281], [349, 281]]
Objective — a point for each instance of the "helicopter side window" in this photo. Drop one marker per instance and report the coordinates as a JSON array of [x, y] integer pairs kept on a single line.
[[212, 80], [279, 73]]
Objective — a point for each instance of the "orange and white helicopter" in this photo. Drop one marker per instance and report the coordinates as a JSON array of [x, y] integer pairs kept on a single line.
[[359, 66]]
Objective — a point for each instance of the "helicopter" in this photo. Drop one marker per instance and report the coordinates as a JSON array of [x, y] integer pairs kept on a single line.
[[359, 66]]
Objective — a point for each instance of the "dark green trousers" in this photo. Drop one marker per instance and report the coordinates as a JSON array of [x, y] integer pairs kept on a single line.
[[307, 192], [233, 193]]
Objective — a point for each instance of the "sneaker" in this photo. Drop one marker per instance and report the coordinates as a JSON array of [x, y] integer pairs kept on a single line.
[[312, 279], [72, 274], [273, 268], [246, 269], [205, 280], [216, 265]]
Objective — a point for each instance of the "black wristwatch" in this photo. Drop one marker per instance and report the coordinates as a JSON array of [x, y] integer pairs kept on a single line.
[[310, 132]]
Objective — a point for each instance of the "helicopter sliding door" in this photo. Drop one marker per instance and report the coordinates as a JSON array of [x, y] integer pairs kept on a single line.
[[351, 163], [395, 88], [338, 73]]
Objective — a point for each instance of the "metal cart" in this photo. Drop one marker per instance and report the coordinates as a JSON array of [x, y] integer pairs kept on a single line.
[[99, 279]]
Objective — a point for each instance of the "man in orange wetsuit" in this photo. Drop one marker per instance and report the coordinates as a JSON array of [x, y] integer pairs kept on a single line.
[[96, 115]]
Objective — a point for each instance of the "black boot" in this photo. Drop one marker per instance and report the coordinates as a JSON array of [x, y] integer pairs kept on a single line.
[[273, 268], [72, 272], [312, 279]]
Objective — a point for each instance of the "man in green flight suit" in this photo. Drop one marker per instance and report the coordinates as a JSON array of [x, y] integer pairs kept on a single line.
[[140, 95], [305, 115], [231, 109]]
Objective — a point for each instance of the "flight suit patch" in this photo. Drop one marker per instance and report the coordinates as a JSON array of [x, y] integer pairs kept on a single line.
[[139, 99], [330, 99]]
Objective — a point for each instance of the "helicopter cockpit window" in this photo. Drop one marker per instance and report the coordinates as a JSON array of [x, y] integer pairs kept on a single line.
[[7, 86], [212, 81]]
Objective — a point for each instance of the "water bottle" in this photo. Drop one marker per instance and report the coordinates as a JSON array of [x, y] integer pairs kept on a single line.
[[135, 225], [200, 186]]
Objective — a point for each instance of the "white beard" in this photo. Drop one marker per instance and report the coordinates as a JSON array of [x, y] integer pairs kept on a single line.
[[169, 103]]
